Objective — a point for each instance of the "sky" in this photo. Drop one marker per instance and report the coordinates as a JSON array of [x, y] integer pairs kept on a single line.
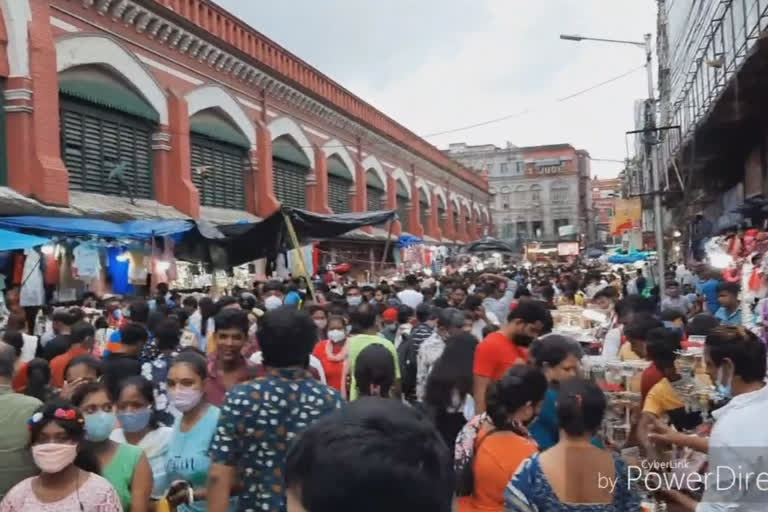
[[438, 65]]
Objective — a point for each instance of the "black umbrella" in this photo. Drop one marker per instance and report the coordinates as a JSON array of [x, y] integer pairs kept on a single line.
[[489, 244]]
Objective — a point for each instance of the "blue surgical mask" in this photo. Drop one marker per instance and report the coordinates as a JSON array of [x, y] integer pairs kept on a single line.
[[99, 425], [135, 421]]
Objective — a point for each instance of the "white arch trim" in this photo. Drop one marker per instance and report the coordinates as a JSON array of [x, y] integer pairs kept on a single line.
[[80, 50], [477, 209], [465, 203], [213, 96], [287, 126], [335, 147], [371, 162], [421, 184], [455, 201], [440, 193], [17, 16], [399, 175]]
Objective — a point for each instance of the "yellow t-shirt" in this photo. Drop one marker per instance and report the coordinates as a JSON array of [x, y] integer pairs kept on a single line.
[[662, 398], [627, 354]]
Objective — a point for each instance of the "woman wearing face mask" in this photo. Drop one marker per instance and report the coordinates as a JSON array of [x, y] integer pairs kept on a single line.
[[503, 443], [332, 352], [68, 479], [123, 465], [320, 318], [188, 460], [135, 413], [375, 372]]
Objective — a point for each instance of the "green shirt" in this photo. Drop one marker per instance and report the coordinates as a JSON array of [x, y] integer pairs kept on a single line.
[[357, 344], [120, 471], [16, 462]]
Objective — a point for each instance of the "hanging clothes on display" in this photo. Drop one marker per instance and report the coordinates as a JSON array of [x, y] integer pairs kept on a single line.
[[117, 265], [138, 269], [32, 289], [68, 284], [87, 264]]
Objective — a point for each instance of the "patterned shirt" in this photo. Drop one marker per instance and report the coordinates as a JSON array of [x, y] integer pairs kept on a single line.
[[258, 421], [156, 371]]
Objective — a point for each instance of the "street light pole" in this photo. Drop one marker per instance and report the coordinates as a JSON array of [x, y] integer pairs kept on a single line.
[[653, 164]]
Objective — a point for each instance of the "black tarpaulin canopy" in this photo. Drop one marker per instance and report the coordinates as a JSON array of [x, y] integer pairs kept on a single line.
[[229, 245], [489, 244]]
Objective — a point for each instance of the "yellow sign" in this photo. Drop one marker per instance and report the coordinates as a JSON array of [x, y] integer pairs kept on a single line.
[[627, 215]]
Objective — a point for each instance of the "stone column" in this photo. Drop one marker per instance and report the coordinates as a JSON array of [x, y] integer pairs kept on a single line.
[[264, 202], [172, 159], [397, 228], [320, 187]]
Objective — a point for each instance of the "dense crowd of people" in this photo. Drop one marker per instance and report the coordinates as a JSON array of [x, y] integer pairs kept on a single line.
[[421, 394]]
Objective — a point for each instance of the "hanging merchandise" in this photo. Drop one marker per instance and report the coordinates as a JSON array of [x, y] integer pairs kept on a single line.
[[87, 264], [139, 266], [32, 289], [117, 265]]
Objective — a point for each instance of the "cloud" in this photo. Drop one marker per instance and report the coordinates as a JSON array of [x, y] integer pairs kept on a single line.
[[436, 65]]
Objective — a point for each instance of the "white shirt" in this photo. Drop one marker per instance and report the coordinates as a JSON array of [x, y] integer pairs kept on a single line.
[[738, 442], [612, 344], [410, 298], [29, 349]]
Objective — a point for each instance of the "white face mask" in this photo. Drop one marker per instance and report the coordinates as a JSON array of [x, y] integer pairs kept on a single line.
[[337, 335], [321, 323], [354, 300], [273, 302]]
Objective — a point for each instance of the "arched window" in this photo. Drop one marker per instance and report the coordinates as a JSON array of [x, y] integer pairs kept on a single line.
[[375, 191], [340, 182], [536, 193], [402, 206], [106, 128], [219, 157], [520, 194], [290, 167], [506, 198], [559, 192], [423, 209]]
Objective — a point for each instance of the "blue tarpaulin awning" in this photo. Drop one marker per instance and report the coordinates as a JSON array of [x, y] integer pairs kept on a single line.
[[137, 229], [11, 240]]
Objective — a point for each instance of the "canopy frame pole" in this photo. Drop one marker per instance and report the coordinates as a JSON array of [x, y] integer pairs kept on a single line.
[[386, 246], [297, 248]]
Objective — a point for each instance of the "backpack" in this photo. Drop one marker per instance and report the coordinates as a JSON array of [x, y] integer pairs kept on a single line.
[[407, 354]]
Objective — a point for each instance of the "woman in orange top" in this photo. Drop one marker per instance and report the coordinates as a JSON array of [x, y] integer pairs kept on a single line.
[[503, 443], [333, 351]]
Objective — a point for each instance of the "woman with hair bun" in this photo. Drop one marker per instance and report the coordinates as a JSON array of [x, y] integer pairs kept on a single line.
[[503, 443], [68, 479], [565, 477]]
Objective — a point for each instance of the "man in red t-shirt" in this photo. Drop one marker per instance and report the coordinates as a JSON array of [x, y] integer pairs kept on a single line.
[[502, 349]]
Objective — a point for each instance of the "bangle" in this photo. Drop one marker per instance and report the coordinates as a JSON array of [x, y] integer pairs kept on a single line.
[[191, 495]]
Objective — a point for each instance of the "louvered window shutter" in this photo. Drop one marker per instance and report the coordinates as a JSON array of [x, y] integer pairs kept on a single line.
[[402, 213], [374, 198], [424, 215], [218, 171], [338, 194], [96, 140], [290, 183]]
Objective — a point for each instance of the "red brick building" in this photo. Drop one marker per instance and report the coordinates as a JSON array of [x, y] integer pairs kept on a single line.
[[177, 108]]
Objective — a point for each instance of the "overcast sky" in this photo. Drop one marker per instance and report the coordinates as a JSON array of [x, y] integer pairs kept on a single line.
[[436, 65]]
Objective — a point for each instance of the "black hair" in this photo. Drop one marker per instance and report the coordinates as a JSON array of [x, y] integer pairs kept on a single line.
[[189, 302], [363, 317], [640, 325], [548, 292], [167, 334], [424, 312], [273, 286], [38, 379], [139, 311], [207, 310], [75, 428], [580, 406], [314, 308], [519, 386], [634, 304], [522, 291], [15, 340], [89, 388], [194, 358], [553, 350], [145, 388], [411, 280], [133, 334], [472, 302], [374, 455], [745, 350], [701, 325], [440, 303], [662, 345], [81, 331], [231, 319], [375, 366], [100, 323], [286, 337], [450, 318], [529, 312], [452, 371], [7, 362], [225, 302], [609, 292], [672, 314], [86, 360], [78, 315], [154, 319], [404, 313], [64, 317], [732, 288]]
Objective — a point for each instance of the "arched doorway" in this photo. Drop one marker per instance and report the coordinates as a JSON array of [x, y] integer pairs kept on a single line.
[[374, 191], [340, 182], [291, 167], [106, 128], [219, 159]]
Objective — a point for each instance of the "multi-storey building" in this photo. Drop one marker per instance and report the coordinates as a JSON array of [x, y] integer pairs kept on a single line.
[[604, 195], [539, 193], [176, 108]]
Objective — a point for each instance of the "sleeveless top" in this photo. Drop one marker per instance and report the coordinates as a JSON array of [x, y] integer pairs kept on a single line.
[[120, 471]]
